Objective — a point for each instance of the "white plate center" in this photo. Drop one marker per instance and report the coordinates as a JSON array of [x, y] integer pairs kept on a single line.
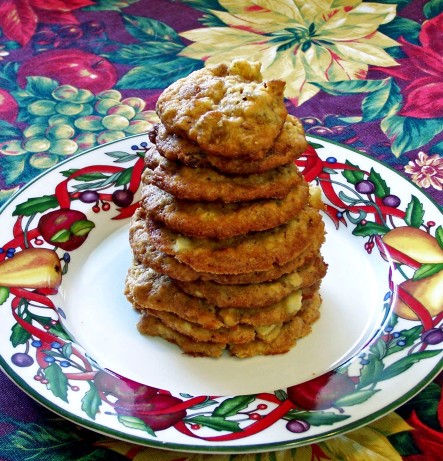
[[103, 322]]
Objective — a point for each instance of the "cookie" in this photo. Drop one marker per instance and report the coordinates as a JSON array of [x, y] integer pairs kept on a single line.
[[227, 110], [258, 251], [145, 289], [166, 264], [289, 146], [256, 294], [208, 184], [287, 335], [221, 220]]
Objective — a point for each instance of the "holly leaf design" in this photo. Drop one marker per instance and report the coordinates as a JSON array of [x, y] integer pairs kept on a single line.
[[84, 177], [57, 381], [217, 423], [232, 406], [370, 228], [135, 423], [4, 294], [414, 213], [369, 372], [91, 401], [355, 175], [36, 205], [381, 188], [19, 335]]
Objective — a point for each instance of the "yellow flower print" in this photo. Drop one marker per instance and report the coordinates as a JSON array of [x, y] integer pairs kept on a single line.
[[298, 41]]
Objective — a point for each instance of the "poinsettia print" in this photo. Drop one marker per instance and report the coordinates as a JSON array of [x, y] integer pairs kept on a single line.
[[19, 18], [302, 42], [422, 69]]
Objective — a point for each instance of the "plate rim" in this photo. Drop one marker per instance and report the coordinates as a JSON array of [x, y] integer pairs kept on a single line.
[[52, 405]]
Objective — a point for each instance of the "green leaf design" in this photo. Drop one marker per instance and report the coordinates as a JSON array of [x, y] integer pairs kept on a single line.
[[233, 405], [408, 133], [109, 5], [91, 401], [381, 188], [409, 336], [217, 423], [353, 176], [281, 395], [370, 228], [351, 86], [41, 87], [433, 8], [67, 350], [401, 27], [82, 227], [405, 363], [316, 418], [355, 398], [143, 29], [4, 294], [385, 100], [61, 236], [124, 177], [9, 132], [135, 423], [414, 213], [36, 205], [147, 52], [121, 157], [84, 177], [439, 236], [57, 381], [19, 335], [158, 75], [426, 270], [369, 372]]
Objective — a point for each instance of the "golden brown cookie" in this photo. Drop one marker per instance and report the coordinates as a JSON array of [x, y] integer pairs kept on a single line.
[[270, 343], [289, 145], [208, 184], [258, 251], [221, 220], [256, 294], [166, 264], [227, 111], [149, 325]]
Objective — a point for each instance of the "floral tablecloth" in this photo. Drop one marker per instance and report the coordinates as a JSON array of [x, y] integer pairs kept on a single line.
[[368, 75]]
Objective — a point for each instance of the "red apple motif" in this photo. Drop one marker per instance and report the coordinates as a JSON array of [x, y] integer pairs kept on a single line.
[[70, 67], [65, 228], [321, 392], [144, 410], [123, 388], [8, 107]]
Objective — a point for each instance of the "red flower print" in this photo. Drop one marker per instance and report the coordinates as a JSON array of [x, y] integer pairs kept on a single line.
[[19, 18], [423, 69]]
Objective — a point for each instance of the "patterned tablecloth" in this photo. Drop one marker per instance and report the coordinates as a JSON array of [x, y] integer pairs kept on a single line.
[[368, 75]]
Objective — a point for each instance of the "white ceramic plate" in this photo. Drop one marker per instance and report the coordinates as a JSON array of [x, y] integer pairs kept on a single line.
[[77, 350]]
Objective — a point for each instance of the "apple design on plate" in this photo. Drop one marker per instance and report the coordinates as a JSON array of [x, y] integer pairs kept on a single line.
[[70, 67]]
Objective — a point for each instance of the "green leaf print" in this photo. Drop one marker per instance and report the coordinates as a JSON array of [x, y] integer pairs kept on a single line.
[[232, 406], [58, 383], [91, 401], [414, 213], [215, 422]]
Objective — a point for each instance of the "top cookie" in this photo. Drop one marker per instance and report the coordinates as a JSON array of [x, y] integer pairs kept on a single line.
[[227, 111]]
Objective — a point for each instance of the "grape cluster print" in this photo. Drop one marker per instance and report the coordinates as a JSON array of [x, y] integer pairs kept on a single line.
[[63, 120], [48, 230]]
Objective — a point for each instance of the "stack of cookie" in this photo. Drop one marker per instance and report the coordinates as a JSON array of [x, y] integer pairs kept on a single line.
[[226, 241]]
